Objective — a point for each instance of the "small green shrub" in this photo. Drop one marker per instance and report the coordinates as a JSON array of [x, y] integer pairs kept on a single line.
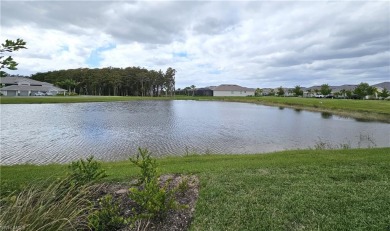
[[107, 217], [155, 201], [147, 164], [86, 171]]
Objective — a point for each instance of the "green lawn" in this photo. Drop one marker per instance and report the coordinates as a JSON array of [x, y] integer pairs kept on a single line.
[[290, 190]]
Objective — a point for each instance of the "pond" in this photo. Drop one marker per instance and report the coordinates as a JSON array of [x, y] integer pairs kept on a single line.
[[46, 133]]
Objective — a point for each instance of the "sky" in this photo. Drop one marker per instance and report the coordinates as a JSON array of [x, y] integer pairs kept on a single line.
[[249, 43]]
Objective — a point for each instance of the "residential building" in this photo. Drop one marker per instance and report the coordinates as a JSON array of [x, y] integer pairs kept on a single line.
[[24, 86], [233, 90]]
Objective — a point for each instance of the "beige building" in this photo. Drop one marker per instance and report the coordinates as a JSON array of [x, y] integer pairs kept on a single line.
[[232, 90]]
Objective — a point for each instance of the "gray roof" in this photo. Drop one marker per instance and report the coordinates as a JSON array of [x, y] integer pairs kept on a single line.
[[44, 88], [232, 87], [383, 85], [16, 80]]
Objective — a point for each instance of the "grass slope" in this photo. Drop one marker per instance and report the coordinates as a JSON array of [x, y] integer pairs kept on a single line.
[[291, 190]]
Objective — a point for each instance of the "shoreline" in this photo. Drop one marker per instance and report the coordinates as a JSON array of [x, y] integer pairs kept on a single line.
[[364, 110]]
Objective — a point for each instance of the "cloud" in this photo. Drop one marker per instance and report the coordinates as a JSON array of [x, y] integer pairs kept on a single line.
[[256, 44]]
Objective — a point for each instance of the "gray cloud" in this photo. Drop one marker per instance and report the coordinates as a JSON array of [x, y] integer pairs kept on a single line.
[[255, 43]]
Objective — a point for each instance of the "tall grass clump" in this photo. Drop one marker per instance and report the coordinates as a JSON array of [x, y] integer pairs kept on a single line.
[[58, 206], [62, 204]]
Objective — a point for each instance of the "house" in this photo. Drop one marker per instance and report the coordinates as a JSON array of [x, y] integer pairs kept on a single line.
[[24, 86], [232, 90]]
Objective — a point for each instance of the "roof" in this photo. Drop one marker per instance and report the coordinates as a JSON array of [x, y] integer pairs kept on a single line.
[[232, 87], [44, 88], [16, 80]]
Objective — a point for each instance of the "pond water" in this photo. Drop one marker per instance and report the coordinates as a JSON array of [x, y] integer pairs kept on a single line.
[[45, 133]]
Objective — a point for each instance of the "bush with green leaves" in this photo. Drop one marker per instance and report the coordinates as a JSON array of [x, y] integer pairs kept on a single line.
[[107, 217], [86, 171], [155, 201]]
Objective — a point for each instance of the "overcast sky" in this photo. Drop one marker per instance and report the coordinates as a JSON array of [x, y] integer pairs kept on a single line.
[[253, 44]]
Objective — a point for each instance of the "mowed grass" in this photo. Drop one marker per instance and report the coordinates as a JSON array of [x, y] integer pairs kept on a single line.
[[290, 190]]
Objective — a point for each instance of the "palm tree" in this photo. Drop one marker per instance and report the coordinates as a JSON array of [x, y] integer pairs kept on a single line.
[[193, 89]]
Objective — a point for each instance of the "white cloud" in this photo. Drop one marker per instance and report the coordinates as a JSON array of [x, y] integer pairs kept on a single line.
[[256, 44]]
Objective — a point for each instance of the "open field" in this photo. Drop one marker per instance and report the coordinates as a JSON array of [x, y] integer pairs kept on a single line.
[[290, 190], [360, 109]]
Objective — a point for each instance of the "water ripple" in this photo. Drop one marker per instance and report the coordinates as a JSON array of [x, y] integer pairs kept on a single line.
[[62, 133]]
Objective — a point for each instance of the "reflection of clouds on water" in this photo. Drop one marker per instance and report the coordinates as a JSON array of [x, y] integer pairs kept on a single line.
[[113, 131]]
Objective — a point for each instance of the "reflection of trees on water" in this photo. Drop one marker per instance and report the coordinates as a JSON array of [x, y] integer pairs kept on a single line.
[[326, 115]]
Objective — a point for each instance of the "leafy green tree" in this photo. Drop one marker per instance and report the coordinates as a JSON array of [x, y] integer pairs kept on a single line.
[[325, 89], [280, 91], [67, 83], [272, 92], [186, 90], [258, 92], [9, 46], [343, 92], [363, 89], [170, 80], [348, 93], [298, 91], [385, 93]]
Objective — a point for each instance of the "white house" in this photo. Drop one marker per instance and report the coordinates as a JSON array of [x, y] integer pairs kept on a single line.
[[232, 90], [22, 86]]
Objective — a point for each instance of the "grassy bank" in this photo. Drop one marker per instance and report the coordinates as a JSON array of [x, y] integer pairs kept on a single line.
[[291, 190], [360, 109]]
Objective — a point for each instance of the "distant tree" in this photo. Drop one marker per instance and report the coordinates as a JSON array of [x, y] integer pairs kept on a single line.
[[170, 80], [385, 93], [67, 83], [258, 92], [280, 91], [343, 92], [298, 91], [325, 89], [9, 46], [348, 93], [272, 92], [186, 90], [363, 89], [193, 89]]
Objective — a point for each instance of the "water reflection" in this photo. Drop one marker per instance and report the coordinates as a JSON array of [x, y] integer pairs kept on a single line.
[[326, 115], [113, 131]]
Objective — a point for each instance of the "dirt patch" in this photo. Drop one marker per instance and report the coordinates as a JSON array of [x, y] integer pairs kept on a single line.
[[178, 219]]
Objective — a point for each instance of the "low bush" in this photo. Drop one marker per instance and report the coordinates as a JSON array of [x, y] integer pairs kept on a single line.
[[86, 171], [107, 217]]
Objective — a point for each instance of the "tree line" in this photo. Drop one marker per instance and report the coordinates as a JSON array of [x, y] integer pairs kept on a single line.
[[362, 90], [111, 81]]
